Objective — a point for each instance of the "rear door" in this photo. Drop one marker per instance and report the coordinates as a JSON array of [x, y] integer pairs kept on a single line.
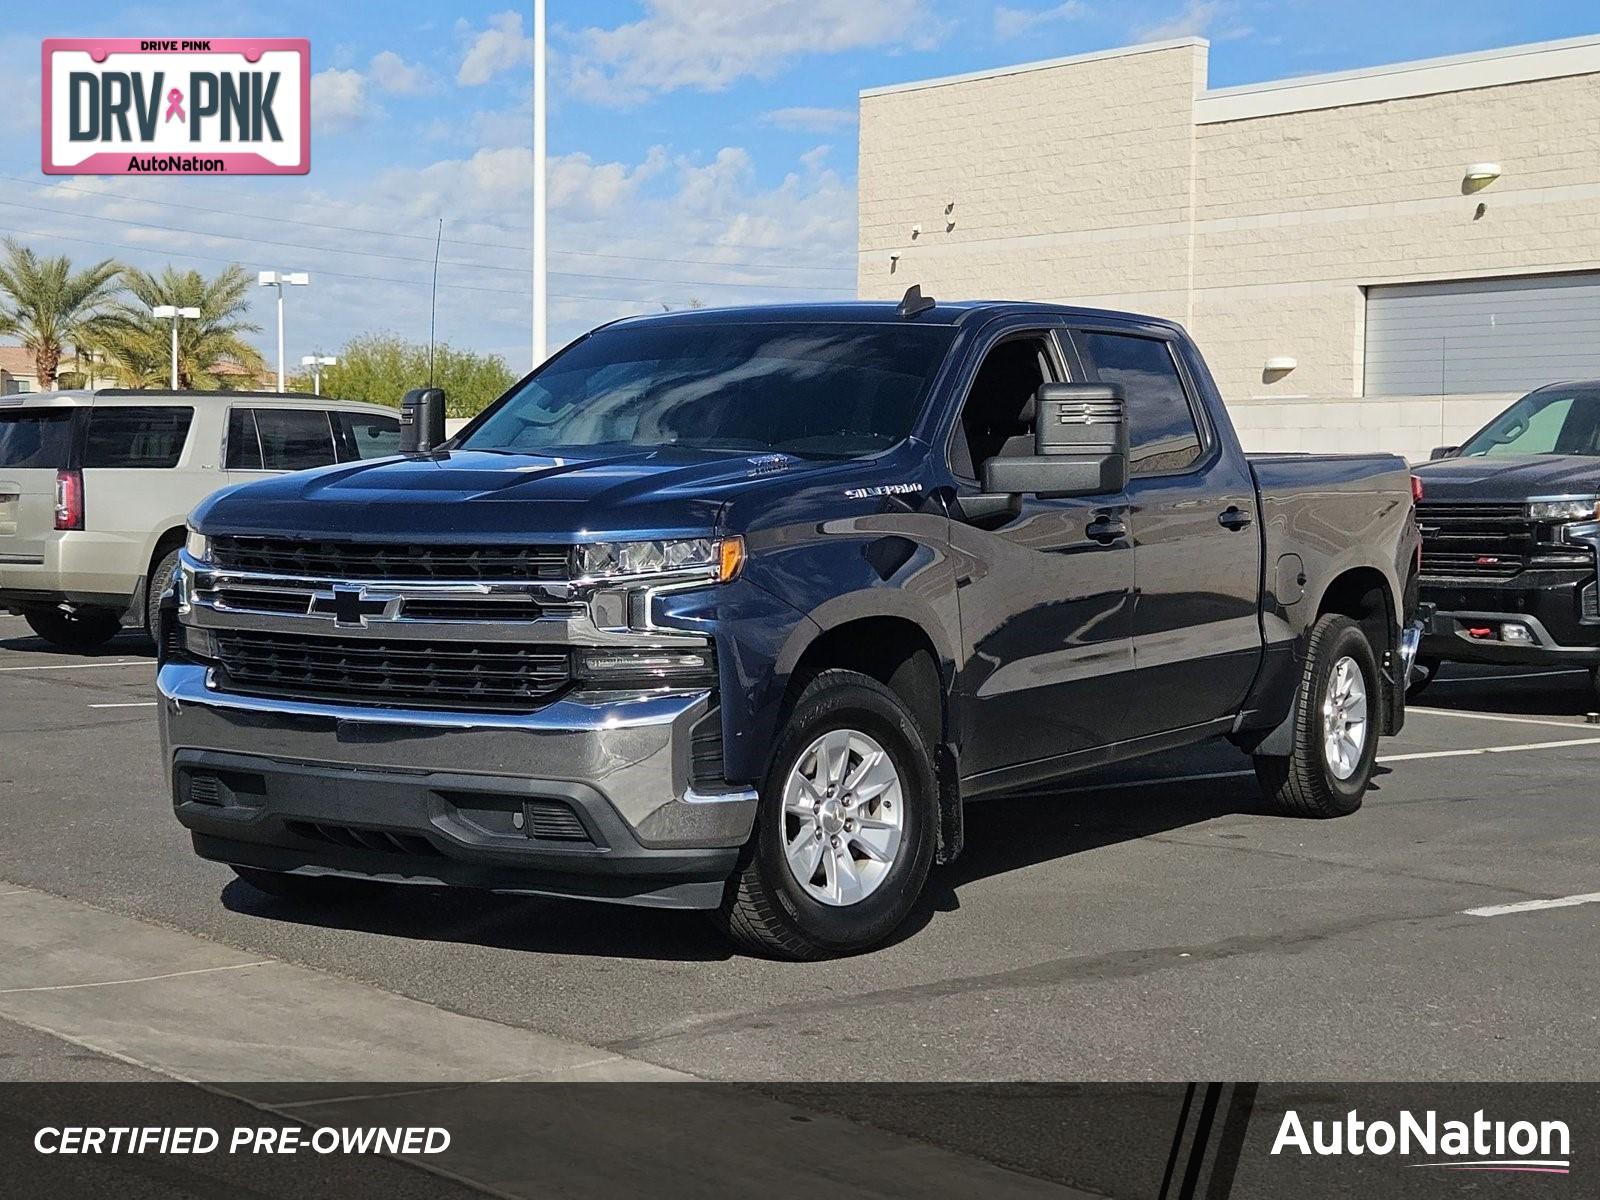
[[1196, 556], [35, 443]]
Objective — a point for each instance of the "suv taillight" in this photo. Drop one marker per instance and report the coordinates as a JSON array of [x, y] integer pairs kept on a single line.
[[69, 499]]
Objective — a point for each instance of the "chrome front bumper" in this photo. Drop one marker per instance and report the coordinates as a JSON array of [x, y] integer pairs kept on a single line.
[[458, 781]]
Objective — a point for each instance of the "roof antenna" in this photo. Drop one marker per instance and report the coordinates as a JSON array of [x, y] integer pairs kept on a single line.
[[433, 299], [914, 303]]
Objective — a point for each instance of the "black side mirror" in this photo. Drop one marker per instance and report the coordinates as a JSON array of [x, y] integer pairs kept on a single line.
[[421, 420], [1080, 445], [1439, 452]]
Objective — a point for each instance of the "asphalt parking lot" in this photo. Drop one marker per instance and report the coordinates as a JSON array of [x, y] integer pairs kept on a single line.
[[1153, 923]]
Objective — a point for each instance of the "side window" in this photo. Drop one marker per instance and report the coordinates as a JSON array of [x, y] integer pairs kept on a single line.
[[244, 447], [362, 436], [1161, 426], [147, 438], [293, 439], [997, 417]]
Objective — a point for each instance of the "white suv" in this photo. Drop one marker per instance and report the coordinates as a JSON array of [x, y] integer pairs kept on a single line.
[[95, 487]]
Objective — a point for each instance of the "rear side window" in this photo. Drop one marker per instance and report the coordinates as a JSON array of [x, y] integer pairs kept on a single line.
[[293, 439], [1162, 433], [134, 437], [362, 436], [36, 439], [244, 448]]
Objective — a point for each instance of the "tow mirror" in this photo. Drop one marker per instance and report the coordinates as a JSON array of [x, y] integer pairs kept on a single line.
[[1080, 445], [421, 420], [1439, 452]]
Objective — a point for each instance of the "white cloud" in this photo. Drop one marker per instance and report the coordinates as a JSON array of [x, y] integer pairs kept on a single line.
[[1207, 18], [810, 120], [396, 76], [501, 47], [339, 99], [1014, 22], [710, 44]]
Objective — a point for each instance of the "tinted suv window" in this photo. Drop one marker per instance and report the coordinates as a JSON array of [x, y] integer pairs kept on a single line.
[[364, 436], [1161, 427], [244, 448], [148, 438], [293, 439], [35, 439]]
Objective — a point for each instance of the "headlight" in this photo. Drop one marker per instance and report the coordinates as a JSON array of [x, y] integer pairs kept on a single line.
[[615, 665], [1586, 508], [198, 545], [613, 560]]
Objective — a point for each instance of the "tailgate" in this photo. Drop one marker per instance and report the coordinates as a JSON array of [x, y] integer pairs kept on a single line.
[[34, 444]]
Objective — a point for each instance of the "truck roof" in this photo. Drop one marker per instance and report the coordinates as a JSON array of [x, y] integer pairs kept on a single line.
[[887, 312]]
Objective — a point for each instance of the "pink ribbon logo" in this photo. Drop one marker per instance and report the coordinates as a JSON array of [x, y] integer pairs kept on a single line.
[[175, 105]]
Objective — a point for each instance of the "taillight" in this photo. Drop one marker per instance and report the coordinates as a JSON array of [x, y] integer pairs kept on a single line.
[[69, 500], [1416, 489]]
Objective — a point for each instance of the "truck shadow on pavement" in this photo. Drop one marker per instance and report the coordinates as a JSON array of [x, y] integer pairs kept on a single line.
[[1538, 695], [1003, 835], [130, 643]]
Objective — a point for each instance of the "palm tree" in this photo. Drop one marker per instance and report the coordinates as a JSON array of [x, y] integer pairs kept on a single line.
[[49, 305], [139, 346]]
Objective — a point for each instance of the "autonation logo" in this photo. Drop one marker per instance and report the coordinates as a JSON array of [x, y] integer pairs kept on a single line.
[[1476, 1145]]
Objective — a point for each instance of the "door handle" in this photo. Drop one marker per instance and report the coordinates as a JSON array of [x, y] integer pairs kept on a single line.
[[1105, 529], [1233, 517]]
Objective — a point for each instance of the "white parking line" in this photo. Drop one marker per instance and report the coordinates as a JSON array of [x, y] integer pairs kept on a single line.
[[1500, 910], [1494, 679], [1476, 716], [72, 987], [132, 662], [1394, 758], [128, 704]]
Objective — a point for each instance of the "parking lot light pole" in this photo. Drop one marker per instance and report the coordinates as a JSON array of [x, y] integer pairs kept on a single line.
[[162, 312], [316, 362], [277, 279]]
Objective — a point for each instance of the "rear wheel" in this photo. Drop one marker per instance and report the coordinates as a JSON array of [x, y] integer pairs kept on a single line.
[[160, 579], [844, 836], [80, 630], [1336, 720]]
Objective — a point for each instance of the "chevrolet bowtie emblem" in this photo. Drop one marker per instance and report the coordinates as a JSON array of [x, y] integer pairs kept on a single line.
[[354, 606]]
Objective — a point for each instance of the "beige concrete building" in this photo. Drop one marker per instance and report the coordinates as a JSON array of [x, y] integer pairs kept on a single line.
[[1371, 259]]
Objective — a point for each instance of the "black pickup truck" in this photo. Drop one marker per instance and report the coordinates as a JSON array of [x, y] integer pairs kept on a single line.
[[1511, 538], [735, 610]]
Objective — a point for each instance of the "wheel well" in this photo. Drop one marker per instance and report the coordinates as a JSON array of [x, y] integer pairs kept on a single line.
[[169, 541], [894, 651], [1363, 595]]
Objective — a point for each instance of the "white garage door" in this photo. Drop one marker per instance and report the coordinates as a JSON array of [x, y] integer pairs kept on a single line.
[[1482, 335]]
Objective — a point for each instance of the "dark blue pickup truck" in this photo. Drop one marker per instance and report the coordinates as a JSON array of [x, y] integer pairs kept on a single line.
[[736, 610]]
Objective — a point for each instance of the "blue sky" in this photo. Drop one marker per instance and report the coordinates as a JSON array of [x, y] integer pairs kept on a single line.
[[703, 151]]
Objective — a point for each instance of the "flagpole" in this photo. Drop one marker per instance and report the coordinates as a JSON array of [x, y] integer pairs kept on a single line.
[[541, 296]]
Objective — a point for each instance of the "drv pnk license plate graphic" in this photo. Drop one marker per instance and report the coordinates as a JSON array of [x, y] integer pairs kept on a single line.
[[173, 106]]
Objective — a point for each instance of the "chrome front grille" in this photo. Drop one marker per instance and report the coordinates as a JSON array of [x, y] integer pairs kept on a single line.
[[379, 561], [404, 673]]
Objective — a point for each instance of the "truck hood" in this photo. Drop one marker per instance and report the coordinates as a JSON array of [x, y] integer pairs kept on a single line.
[[484, 495], [1509, 479]]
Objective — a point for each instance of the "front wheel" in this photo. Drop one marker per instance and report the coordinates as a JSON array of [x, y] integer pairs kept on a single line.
[[1336, 721], [82, 629], [844, 835]]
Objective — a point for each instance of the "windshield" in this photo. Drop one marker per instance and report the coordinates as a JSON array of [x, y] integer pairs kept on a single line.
[[1550, 421], [829, 391]]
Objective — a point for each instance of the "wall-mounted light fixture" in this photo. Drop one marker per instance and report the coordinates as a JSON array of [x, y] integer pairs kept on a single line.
[[1276, 367], [1479, 176]]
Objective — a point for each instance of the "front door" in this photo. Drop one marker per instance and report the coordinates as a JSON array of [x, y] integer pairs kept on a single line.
[[1044, 591]]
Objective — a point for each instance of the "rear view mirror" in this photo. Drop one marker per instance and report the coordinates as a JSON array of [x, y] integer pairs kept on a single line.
[[1080, 445], [421, 420], [1439, 452]]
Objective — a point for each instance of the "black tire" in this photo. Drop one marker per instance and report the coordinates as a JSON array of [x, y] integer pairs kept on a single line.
[[1303, 784], [81, 630], [305, 889], [1423, 672], [158, 582], [765, 910]]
